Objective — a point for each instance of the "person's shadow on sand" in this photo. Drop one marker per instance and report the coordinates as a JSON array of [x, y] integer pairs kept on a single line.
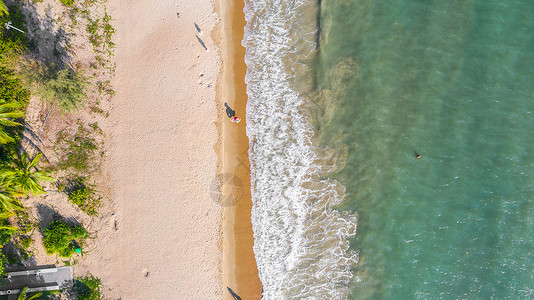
[[236, 297], [202, 43], [229, 111], [198, 29]]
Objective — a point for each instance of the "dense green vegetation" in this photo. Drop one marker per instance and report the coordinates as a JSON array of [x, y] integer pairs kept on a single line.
[[63, 239], [18, 172], [64, 87]]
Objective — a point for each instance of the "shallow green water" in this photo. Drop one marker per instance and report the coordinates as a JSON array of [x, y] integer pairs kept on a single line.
[[453, 81]]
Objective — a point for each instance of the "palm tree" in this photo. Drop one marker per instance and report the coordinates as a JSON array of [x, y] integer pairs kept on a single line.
[[22, 178], [8, 112]]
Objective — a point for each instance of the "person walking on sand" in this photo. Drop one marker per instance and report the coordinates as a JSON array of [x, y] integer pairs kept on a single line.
[[229, 111], [231, 114]]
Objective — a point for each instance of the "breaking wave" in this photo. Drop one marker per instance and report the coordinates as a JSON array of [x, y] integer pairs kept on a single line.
[[300, 240]]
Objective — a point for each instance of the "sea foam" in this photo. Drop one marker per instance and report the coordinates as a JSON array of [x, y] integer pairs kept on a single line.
[[300, 240]]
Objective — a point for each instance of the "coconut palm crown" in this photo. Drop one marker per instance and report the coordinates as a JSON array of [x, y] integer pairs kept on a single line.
[[21, 176]]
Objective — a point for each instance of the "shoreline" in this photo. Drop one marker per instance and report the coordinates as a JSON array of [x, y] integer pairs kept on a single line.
[[239, 268]]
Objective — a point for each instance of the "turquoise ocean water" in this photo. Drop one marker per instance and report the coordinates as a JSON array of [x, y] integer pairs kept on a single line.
[[361, 86]]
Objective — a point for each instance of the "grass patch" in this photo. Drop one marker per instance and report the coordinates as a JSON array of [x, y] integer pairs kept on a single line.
[[80, 156], [68, 3], [98, 28], [77, 151], [63, 239], [82, 194]]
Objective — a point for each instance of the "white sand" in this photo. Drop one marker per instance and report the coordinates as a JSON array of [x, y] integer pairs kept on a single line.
[[161, 160]]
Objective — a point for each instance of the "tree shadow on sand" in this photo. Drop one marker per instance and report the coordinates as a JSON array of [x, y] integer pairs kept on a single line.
[[47, 41], [48, 215]]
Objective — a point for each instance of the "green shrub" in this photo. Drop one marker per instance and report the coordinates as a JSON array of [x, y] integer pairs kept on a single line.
[[6, 231], [25, 223], [87, 287], [3, 261], [62, 239], [12, 91]]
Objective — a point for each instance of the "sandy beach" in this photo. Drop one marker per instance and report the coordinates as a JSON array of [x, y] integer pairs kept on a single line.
[[178, 167], [161, 160]]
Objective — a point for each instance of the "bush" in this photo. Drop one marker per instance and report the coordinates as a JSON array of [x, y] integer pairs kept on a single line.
[[62, 239], [87, 287]]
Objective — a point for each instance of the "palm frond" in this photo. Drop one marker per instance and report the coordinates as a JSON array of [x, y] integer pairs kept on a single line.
[[9, 106], [43, 176], [21, 177], [34, 161], [3, 8], [8, 112], [6, 215], [9, 123], [9, 203], [5, 137], [8, 227], [36, 296]]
